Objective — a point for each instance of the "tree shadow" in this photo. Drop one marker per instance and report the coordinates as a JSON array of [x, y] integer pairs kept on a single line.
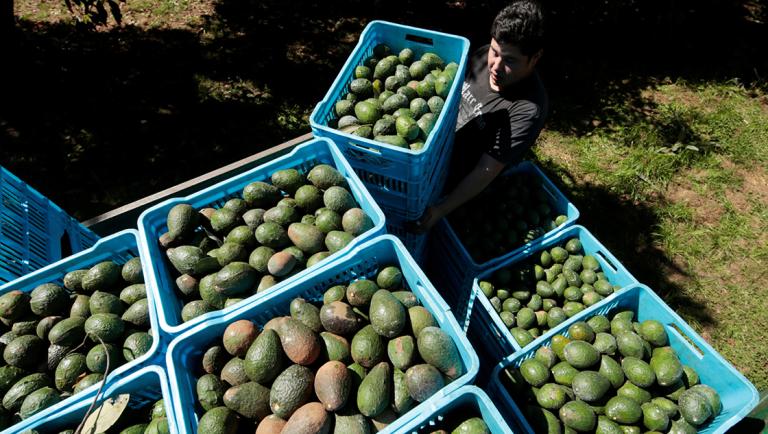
[[626, 228], [97, 119]]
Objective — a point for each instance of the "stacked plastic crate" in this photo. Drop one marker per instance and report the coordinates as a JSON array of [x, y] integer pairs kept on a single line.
[[402, 181]]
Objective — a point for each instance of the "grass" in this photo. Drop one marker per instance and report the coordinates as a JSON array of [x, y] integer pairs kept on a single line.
[[707, 197]]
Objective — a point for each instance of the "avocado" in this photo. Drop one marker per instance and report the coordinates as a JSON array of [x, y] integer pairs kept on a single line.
[[87, 381], [638, 372], [281, 264], [233, 372], [373, 395], [367, 347], [73, 280], [590, 386], [207, 291], [367, 112], [105, 327], [264, 359], [402, 352], [605, 343], [654, 418], [238, 337], [300, 344], [551, 396], [282, 215], [48, 299], [387, 314], [339, 318], [272, 235], [534, 372], [15, 396], [96, 359], [14, 304], [182, 220], [24, 352], [356, 222], [581, 331], [288, 180], [578, 416], [473, 425], [250, 400], [438, 349], [137, 314], [324, 177], [290, 390], [261, 194], [694, 407], [408, 299], [667, 369], [69, 370], [132, 271], [333, 383], [335, 347], [214, 359], [37, 401], [259, 258], [102, 276], [9, 375], [191, 260], [230, 252], [133, 293], [393, 140], [270, 425], [563, 373], [235, 278], [218, 420], [308, 419], [638, 394], [581, 355], [630, 344], [623, 410]]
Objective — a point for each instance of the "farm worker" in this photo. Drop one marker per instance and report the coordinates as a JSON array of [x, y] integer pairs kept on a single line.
[[502, 110]]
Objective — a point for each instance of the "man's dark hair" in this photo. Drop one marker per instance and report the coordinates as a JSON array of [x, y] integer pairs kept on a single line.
[[521, 24]]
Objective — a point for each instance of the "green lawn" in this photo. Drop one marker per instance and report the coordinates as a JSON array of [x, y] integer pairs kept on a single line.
[[676, 185]]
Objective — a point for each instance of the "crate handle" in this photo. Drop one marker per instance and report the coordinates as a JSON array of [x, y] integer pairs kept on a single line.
[[688, 341], [608, 262], [365, 149], [419, 39]]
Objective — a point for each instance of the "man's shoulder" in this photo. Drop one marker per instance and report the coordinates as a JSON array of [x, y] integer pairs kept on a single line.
[[530, 99]]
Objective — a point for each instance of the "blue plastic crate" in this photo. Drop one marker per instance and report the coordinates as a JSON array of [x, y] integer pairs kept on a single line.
[[397, 177], [364, 261], [146, 386], [738, 395], [118, 248], [34, 231], [449, 259], [468, 401], [415, 243], [152, 223], [483, 319]]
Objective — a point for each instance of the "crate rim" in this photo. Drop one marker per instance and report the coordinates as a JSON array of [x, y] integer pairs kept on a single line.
[[687, 331], [119, 372], [336, 84], [332, 149], [472, 363]]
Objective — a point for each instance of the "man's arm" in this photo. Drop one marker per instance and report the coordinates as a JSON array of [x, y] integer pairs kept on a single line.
[[486, 170]]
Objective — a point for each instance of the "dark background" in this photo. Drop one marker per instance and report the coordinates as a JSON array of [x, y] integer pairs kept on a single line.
[[95, 120]]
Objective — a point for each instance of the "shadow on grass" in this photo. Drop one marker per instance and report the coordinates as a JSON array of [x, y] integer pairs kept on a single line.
[[626, 228], [96, 120]]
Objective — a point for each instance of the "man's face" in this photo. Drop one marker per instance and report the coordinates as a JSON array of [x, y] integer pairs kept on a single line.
[[507, 65]]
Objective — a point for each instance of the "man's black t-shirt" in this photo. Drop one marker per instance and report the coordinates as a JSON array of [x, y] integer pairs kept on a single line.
[[503, 125]]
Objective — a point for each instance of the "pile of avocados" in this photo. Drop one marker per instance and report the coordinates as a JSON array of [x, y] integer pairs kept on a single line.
[[612, 375], [395, 98], [543, 292], [143, 419], [352, 362], [512, 211], [58, 338], [250, 243]]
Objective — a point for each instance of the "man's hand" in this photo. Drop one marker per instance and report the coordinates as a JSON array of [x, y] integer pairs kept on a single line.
[[424, 223]]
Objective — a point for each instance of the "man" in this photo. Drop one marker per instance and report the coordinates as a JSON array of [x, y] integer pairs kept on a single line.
[[502, 111]]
